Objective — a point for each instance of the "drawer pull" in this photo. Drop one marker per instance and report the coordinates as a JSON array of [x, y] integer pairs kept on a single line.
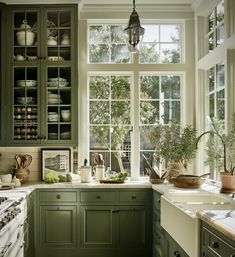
[[98, 197], [58, 196], [215, 244], [159, 201], [133, 197], [176, 253]]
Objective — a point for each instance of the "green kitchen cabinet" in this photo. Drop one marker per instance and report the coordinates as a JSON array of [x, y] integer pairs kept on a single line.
[[214, 243], [2, 71], [42, 85], [115, 222], [159, 235], [56, 223]]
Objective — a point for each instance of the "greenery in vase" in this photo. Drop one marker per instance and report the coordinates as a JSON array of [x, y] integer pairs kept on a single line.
[[220, 147], [173, 143]]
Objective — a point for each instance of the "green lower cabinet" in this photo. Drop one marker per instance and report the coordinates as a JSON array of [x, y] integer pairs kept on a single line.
[[57, 231], [214, 243], [29, 245]]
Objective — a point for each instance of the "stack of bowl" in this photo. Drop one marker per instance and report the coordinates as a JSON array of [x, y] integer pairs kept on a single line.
[[54, 98], [53, 116]]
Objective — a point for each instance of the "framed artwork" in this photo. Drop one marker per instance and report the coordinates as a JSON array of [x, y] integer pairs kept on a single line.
[[55, 160]]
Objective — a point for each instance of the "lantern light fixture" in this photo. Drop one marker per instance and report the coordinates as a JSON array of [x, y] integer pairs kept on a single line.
[[134, 29]]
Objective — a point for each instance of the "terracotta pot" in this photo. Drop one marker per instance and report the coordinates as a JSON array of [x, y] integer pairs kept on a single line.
[[227, 182], [23, 175]]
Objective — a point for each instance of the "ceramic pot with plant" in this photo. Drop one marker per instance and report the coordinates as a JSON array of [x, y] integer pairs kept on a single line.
[[221, 153], [174, 144]]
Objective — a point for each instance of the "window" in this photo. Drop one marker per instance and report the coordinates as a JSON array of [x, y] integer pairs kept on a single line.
[[216, 92], [161, 44], [108, 44], [215, 34], [159, 103], [110, 119], [117, 113]]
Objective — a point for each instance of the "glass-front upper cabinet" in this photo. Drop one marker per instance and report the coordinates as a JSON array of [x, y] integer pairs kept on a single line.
[[42, 85]]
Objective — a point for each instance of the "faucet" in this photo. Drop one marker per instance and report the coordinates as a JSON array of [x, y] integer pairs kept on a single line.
[[222, 140]]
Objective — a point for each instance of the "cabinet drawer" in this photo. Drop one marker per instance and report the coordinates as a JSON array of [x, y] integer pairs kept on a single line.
[[134, 196], [216, 244], [57, 196], [98, 196]]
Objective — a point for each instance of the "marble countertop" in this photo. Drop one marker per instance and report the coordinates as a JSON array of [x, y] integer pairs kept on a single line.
[[222, 220]]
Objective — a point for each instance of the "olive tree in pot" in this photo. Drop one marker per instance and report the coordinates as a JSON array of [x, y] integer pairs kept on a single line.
[[221, 153], [174, 144]]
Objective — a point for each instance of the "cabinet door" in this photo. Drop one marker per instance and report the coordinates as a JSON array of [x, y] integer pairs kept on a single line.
[[97, 227], [173, 249], [57, 226], [131, 227]]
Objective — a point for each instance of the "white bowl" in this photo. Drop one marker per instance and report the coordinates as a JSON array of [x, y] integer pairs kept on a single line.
[[25, 100]]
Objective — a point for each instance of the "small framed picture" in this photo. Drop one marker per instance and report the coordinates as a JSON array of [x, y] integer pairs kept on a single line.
[[55, 160]]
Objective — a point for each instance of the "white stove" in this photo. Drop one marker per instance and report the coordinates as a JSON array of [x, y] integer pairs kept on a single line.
[[12, 215]]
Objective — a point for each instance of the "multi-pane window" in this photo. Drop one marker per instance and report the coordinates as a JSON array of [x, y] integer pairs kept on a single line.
[[215, 35], [110, 119], [108, 44], [216, 92], [161, 44], [159, 103]]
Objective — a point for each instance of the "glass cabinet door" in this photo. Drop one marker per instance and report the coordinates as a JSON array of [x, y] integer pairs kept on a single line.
[[59, 103], [25, 103], [58, 35]]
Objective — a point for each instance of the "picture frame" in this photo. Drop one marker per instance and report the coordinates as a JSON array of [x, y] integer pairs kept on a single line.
[[56, 160]]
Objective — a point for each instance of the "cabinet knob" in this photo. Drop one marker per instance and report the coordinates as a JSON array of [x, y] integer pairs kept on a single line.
[[98, 197], [177, 254], [215, 244], [133, 197], [58, 196], [159, 201]]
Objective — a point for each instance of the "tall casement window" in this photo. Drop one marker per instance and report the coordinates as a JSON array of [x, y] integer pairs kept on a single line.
[[216, 92], [123, 100], [215, 35], [159, 103]]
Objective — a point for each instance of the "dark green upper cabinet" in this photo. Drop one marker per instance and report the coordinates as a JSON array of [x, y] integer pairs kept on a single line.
[[42, 86], [2, 71]]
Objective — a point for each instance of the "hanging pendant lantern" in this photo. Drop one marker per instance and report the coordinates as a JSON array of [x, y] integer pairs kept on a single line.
[[134, 29]]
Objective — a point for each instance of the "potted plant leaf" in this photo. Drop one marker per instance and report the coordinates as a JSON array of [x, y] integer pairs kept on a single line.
[[174, 144], [221, 153]]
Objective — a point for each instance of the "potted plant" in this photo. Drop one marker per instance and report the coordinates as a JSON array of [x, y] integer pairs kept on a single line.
[[174, 144], [221, 153]]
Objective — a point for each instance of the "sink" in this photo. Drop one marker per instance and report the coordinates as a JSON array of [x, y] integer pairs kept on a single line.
[[196, 197], [179, 215]]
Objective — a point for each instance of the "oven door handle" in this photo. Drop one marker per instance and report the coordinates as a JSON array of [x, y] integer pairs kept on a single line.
[[4, 249]]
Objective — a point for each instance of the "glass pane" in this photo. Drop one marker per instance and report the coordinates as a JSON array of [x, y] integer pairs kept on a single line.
[[220, 105], [211, 78], [120, 53], [171, 87], [99, 137], [220, 12], [211, 21], [149, 53], [212, 106], [120, 112], [120, 87], [99, 34], [145, 143], [99, 112], [149, 112], [220, 35], [169, 33], [211, 42], [149, 87], [99, 53], [99, 87], [143, 165], [151, 33], [120, 138], [170, 53], [117, 34], [220, 75]]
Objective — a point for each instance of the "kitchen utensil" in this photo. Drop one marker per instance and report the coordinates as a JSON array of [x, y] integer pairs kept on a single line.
[[25, 36], [19, 57], [52, 41], [99, 172], [85, 172], [188, 180]]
